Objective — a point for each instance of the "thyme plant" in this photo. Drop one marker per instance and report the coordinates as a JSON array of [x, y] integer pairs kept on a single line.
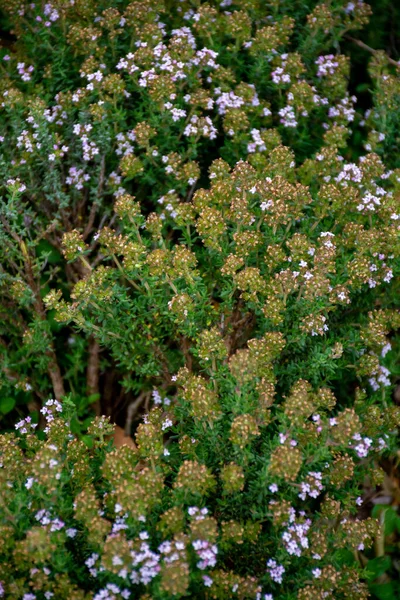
[[182, 202]]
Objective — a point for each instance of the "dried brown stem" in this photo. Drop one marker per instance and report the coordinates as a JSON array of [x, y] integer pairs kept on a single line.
[[92, 372], [185, 345], [238, 325], [164, 363], [53, 368], [370, 50], [95, 206], [108, 392], [55, 374], [132, 410], [92, 216]]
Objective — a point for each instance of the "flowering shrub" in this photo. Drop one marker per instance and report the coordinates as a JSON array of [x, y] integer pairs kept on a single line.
[[180, 193]]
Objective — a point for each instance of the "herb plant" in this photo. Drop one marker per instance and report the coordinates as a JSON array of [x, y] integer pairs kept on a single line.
[[192, 200]]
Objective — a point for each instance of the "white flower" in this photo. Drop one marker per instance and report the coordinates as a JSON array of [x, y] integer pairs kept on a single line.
[[71, 532], [316, 573], [167, 423]]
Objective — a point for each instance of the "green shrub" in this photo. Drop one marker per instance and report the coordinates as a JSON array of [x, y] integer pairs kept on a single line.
[[184, 189]]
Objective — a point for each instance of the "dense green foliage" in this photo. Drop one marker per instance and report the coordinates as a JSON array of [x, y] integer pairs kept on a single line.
[[199, 238]]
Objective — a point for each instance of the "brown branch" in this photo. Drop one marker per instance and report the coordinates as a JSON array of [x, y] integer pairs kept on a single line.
[[10, 231], [236, 326], [45, 234], [370, 50], [164, 362], [108, 391], [66, 222], [191, 192], [55, 374], [53, 368], [78, 209], [92, 372], [132, 410], [95, 205], [14, 378], [185, 346], [92, 216]]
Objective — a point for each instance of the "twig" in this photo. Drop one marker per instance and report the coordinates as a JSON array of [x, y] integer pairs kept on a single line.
[[95, 205], [92, 372], [185, 345], [53, 369], [164, 362], [370, 50], [92, 216], [380, 538], [191, 192], [55, 374], [132, 410]]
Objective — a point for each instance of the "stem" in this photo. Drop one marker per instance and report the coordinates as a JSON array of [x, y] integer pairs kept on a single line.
[[137, 230], [380, 539], [300, 293], [172, 285], [86, 263], [316, 223], [133, 284], [369, 49], [92, 372], [132, 410], [53, 369]]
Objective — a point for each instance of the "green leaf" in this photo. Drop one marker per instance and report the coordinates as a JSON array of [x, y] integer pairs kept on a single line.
[[86, 422], [6, 405], [93, 398], [385, 591], [55, 326], [345, 557], [362, 87], [390, 521], [377, 509], [45, 248], [75, 425], [378, 566], [88, 441]]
